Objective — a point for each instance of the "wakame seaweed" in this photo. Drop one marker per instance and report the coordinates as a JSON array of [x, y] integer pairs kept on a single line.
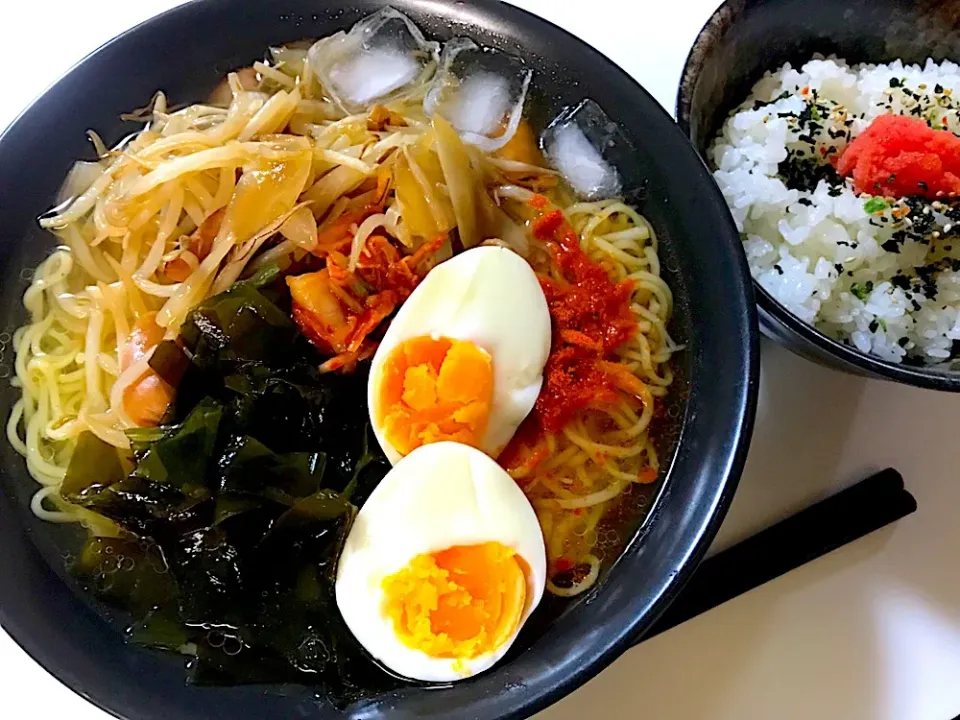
[[233, 512]]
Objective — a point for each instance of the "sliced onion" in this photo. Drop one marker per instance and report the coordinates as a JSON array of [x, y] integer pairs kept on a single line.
[[104, 426], [277, 76], [234, 154], [317, 110], [242, 254], [514, 166], [396, 227], [363, 233], [72, 210], [336, 183], [280, 255], [342, 158], [81, 177], [514, 192], [273, 116], [301, 229], [499, 223], [292, 58], [462, 181], [98, 144]]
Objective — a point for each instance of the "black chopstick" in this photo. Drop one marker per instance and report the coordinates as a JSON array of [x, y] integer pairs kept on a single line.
[[821, 528]]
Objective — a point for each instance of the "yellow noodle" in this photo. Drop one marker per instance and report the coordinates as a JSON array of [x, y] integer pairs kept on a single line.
[[602, 453]]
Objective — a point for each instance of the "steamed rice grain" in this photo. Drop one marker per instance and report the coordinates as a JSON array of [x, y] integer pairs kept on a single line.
[[858, 268]]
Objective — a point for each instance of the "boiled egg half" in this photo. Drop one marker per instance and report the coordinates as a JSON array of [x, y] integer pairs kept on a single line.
[[443, 565], [463, 359]]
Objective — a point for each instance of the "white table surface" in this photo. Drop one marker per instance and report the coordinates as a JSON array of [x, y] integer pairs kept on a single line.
[[870, 632]]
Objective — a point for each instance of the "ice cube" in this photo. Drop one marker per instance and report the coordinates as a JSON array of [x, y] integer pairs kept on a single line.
[[373, 74], [489, 102], [583, 144], [481, 91], [383, 57]]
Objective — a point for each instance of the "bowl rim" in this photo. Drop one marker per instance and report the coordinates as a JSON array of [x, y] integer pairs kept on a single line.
[[849, 358], [734, 456]]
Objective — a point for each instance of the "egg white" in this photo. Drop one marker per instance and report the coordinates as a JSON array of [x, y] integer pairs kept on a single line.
[[439, 496], [489, 296]]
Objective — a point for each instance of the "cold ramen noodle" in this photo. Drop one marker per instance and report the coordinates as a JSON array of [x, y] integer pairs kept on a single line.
[[345, 367]]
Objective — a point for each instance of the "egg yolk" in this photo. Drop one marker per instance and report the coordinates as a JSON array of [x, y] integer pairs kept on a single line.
[[435, 390], [460, 602]]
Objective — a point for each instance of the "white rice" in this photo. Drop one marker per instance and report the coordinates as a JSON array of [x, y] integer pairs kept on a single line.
[[819, 251]]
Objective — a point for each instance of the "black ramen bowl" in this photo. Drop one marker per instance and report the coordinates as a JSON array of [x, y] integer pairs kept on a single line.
[[745, 38], [706, 429]]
